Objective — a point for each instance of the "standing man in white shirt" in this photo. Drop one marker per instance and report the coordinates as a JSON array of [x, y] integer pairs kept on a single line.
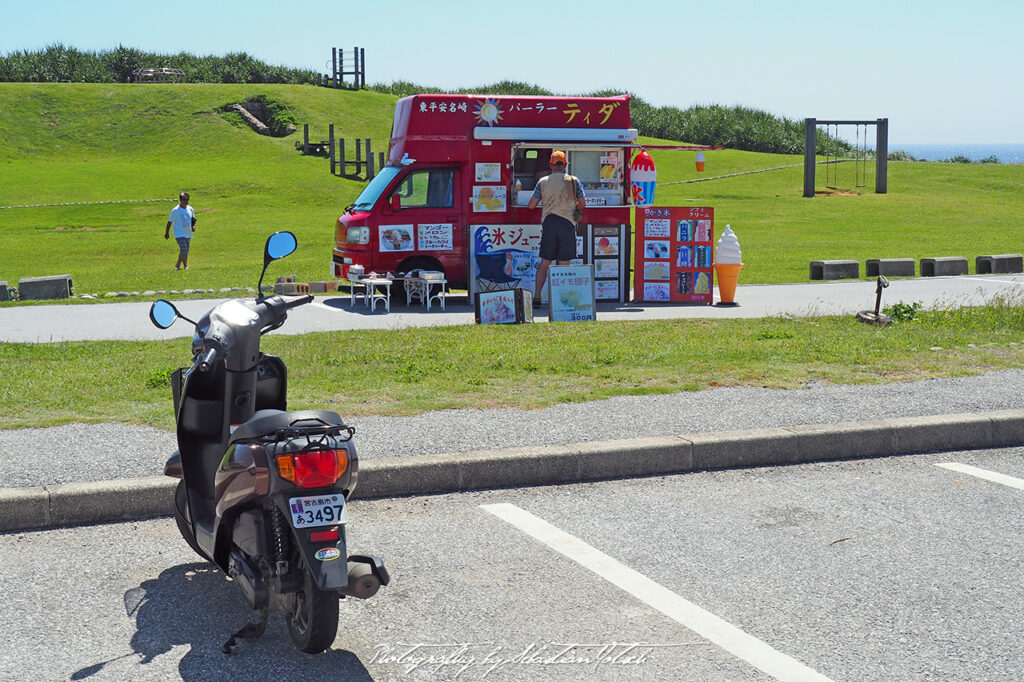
[[559, 194], [184, 221]]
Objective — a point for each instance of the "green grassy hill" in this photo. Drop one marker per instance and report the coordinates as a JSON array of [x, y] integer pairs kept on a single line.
[[68, 143], [97, 142]]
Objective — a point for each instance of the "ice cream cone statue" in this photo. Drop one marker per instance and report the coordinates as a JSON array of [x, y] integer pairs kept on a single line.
[[700, 162], [728, 261]]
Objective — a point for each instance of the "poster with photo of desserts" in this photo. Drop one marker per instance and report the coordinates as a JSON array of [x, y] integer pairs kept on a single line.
[[608, 248], [674, 252]]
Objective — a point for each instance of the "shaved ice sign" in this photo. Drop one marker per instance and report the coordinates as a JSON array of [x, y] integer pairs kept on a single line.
[[643, 178], [674, 252]]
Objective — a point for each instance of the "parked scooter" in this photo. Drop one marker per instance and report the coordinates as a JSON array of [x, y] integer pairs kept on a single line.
[[263, 492]]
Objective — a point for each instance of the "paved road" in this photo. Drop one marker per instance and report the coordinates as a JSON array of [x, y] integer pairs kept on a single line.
[[46, 324], [890, 569]]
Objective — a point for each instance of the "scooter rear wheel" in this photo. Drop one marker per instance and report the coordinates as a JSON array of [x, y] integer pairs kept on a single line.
[[313, 624], [181, 518]]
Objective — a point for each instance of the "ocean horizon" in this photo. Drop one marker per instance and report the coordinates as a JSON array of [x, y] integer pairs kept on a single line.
[[1006, 153]]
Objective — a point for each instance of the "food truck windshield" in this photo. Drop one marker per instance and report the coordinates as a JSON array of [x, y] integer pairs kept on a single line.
[[368, 197]]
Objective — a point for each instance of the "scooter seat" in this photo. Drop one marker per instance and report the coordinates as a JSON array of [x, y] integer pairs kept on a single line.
[[267, 422]]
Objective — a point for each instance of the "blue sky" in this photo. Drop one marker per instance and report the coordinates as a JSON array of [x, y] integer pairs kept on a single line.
[[942, 72]]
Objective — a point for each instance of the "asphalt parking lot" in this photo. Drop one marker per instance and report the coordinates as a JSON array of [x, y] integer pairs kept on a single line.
[[883, 569]]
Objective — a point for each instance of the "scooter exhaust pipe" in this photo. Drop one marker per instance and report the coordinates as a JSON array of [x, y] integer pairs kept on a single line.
[[362, 582]]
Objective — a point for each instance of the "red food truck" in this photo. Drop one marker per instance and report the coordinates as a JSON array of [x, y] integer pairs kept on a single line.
[[461, 169]]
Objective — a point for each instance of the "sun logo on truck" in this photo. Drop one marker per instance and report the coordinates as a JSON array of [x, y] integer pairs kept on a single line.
[[488, 112]]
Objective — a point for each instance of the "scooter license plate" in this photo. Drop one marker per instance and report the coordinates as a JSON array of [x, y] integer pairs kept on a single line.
[[318, 510]]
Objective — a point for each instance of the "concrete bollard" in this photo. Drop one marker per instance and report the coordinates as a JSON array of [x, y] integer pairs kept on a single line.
[[944, 266], [41, 288]]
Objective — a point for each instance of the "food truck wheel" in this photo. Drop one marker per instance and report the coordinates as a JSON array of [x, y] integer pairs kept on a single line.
[[420, 263]]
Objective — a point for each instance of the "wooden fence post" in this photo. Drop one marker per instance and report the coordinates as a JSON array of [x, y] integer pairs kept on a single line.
[[330, 138], [341, 156], [305, 139], [810, 151], [881, 155]]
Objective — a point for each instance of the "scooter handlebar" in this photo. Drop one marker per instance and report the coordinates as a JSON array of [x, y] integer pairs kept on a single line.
[[277, 308], [296, 301], [208, 359]]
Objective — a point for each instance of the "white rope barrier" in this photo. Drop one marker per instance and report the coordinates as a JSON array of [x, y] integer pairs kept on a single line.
[[88, 203], [733, 175]]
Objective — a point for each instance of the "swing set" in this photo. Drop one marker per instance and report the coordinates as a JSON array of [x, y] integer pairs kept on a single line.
[[860, 159]]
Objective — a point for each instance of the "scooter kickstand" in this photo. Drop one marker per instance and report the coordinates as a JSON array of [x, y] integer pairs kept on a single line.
[[250, 631]]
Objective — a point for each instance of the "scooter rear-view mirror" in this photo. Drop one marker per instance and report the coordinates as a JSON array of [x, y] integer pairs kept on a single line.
[[279, 245], [163, 313]]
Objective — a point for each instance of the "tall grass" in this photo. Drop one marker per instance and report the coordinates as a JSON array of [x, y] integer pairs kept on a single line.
[[58, 63]]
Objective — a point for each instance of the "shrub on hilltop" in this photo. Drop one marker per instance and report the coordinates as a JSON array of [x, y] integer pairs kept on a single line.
[[60, 64]]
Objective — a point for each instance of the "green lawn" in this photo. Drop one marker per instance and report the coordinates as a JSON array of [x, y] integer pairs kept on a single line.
[[65, 143], [106, 142], [931, 209], [90, 143], [410, 371]]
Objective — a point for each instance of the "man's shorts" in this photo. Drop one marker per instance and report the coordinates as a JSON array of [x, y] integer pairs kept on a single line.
[[183, 244], [557, 239]]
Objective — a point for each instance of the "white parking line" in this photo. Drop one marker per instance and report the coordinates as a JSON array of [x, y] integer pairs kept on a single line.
[[707, 625], [982, 473]]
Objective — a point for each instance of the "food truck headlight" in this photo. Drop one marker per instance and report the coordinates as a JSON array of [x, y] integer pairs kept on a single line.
[[358, 235]]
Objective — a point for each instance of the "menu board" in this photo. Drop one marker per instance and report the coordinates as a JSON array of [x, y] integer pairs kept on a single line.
[[572, 293], [608, 251], [505, 306], [674, 251]]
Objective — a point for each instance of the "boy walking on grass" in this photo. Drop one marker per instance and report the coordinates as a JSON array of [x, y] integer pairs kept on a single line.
[[184, 221]]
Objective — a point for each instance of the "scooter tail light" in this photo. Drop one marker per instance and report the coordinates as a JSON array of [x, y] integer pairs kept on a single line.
[[313, 469], [324, 535]]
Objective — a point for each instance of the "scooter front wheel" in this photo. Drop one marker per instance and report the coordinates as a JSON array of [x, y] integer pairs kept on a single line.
[[313, 624], [181, 518]]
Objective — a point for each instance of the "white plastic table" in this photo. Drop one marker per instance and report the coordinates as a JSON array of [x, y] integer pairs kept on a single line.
[[419, 288], [355, 288], [439, 294], [374, 294]]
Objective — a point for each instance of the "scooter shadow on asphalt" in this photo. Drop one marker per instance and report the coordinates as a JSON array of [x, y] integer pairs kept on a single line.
[[194, 605]]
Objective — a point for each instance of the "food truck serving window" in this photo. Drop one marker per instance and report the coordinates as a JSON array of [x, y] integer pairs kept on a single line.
[[431, 188], [599, 168]]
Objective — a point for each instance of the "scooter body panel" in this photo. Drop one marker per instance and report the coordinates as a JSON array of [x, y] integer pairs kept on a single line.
[[173, 466], [265, 490]]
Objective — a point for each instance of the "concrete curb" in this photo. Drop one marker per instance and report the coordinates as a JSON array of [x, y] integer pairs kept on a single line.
[[139, 498]]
